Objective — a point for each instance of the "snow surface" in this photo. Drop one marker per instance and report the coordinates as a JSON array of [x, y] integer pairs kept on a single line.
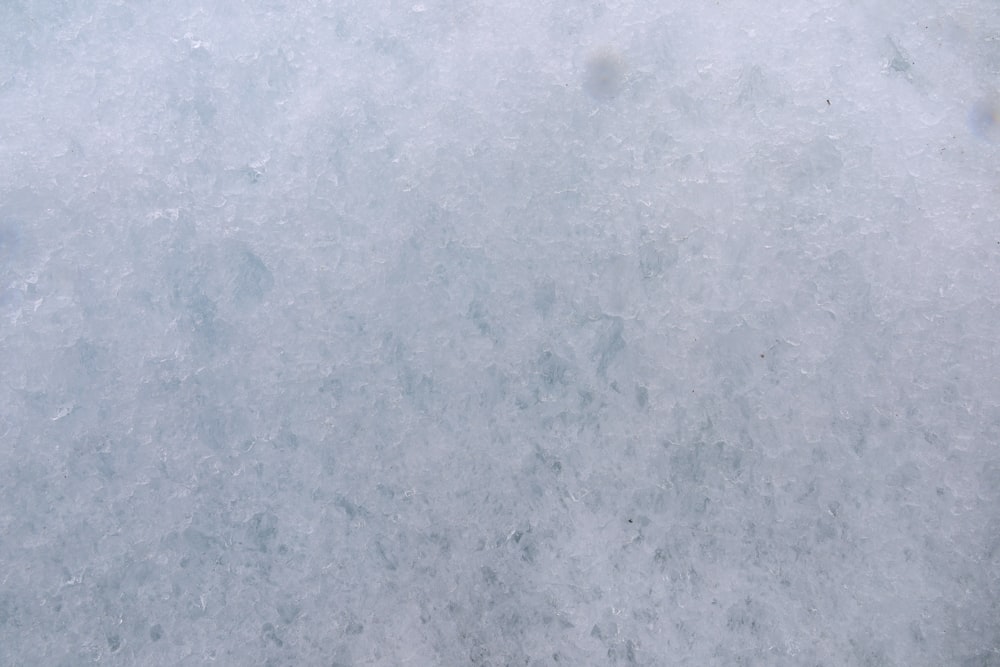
[[464, 333]]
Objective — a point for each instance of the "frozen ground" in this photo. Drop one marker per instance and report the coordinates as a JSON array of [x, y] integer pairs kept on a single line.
[[460, 333]]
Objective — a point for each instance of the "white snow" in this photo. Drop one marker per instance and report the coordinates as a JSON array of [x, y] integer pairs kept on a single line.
[[450, 333]]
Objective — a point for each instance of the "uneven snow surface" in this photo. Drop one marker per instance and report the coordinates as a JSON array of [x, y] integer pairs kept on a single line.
[[463, 333]]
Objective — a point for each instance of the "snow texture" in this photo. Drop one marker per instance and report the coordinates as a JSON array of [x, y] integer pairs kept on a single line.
[[465, 333]]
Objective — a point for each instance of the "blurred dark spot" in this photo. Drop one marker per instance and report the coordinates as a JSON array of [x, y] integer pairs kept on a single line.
[[604, 75], [984, 119]]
